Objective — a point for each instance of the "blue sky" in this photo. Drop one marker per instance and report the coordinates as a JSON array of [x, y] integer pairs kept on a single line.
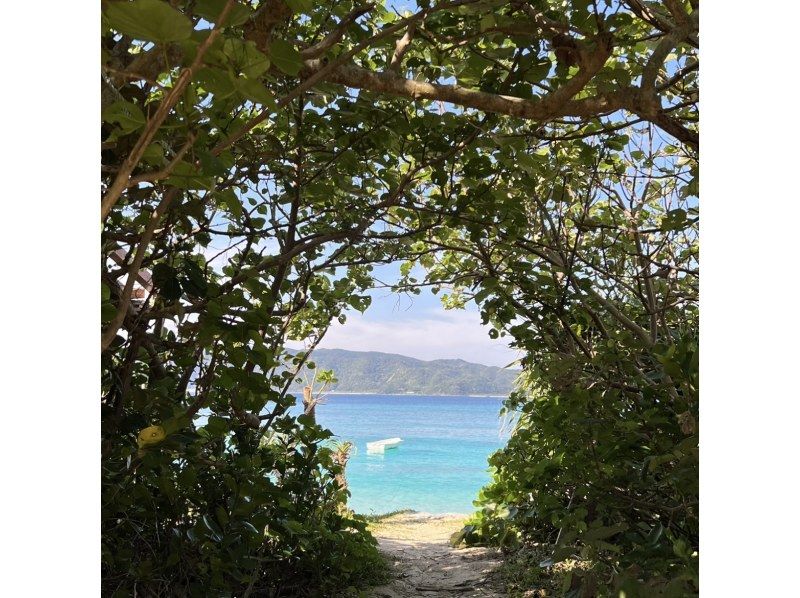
[[417, 326], [413, 325]]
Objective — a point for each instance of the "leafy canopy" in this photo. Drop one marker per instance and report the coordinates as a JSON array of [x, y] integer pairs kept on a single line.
[[258, 158]]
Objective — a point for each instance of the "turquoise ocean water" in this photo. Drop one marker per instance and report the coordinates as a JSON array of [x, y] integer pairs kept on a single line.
[[442, 462]]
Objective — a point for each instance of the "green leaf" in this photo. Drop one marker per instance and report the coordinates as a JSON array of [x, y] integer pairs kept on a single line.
[[285, 57], [359, 303], [228, 199], [256, 65], [187, 176], [295, 527], [128, 116], [674, 220], [216, 532], [211, 164], [655, 534], [300, 6], [162, 272], [107, 312], [211, 9], [217, 426], [601, 533], [617, 142], [245, 57], [148, 20], [172, 290], [176, 423], [253, 90], [538, 70], [165, 278], [216, 81], [194, 280], [305, 420], [681, 549], [153, 154]]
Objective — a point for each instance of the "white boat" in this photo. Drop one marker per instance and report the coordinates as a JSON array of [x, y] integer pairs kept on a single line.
[[381, 445]]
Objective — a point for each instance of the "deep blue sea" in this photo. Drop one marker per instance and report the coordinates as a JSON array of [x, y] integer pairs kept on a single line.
[[442, 462]]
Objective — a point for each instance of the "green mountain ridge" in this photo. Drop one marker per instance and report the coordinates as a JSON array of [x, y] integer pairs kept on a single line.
[[387, 373]]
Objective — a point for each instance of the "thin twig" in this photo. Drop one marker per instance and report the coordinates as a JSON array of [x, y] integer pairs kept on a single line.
[[151, 128]]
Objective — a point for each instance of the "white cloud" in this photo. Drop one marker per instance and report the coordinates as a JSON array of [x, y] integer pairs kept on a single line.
[[433, 334]]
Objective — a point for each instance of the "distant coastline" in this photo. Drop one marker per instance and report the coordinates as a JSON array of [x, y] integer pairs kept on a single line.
[[414, 394], [371, 372]]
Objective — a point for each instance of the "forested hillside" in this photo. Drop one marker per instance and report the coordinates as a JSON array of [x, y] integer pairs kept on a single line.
[[387, 373]]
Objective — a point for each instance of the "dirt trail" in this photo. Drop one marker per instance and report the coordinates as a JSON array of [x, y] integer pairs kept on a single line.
[[424, 563]]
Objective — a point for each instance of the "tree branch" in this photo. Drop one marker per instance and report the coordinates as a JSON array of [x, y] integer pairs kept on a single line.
[[401, 47], [556, 103], [152, 177], [121, 181], [133, 271], [334, 36]]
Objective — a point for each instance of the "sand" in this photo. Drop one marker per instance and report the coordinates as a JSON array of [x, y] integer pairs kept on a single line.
[[423, 562]]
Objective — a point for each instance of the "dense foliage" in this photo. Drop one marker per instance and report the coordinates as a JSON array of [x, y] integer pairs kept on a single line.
[[596, 279], [386, 373], [259, 157]]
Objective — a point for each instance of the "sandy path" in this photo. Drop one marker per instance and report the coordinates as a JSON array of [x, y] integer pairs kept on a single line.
[[424, 563]]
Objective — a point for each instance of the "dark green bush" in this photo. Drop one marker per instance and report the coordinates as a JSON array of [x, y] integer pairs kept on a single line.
[[594, 277], [211, 508]]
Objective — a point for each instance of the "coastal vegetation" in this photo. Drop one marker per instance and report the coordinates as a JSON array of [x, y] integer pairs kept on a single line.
[[594, 277], [538, 158]]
